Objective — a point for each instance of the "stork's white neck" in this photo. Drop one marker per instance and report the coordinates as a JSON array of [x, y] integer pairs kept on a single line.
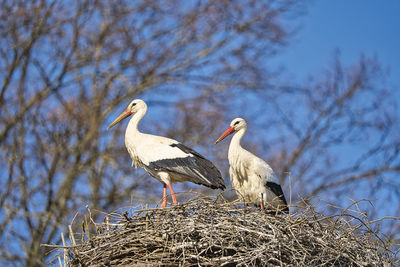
[[235, 146], [132, 128]]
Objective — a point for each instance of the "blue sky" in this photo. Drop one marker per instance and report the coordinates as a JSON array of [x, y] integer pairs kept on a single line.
[[354, 27]]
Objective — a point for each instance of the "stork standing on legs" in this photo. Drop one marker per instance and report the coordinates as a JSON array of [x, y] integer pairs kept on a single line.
[[251, 177], [163, 158]]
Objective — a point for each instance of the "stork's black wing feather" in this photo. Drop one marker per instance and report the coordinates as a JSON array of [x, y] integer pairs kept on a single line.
[[199, 169]]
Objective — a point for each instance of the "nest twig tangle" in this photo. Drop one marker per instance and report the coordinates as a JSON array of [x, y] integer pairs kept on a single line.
[[212, 232]]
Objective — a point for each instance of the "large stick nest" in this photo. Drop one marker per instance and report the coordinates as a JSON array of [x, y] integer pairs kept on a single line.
[[205, 231]]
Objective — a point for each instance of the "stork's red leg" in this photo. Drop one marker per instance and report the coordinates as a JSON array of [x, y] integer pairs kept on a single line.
[[261, 206], [164, 200], [172, 194]]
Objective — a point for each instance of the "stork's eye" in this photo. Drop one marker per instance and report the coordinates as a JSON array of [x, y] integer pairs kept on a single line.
[[236, 123], [133, 104]]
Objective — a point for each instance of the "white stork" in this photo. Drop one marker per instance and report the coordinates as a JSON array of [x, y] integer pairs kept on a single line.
[[163, 158], [251, 177]]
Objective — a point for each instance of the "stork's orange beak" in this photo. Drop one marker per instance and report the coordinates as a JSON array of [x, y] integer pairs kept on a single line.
[[225, 134], [123, 115]]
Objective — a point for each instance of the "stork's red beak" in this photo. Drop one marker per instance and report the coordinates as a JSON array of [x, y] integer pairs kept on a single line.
[[225, 134], [123, 115]]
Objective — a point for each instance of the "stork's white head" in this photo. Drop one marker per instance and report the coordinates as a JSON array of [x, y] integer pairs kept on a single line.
[[133, 107], [136, 105], [236, 125]]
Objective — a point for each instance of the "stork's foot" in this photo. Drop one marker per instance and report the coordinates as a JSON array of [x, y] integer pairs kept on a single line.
[[164, 203], [261, 207]]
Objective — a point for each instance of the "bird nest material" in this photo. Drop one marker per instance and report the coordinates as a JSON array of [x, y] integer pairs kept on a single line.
[[213, 232]]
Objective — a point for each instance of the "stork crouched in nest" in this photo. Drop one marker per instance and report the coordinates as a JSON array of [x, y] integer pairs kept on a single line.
[[251, 177], [163, 158]]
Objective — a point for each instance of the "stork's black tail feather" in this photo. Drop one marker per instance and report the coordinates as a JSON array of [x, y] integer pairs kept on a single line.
[[277, 190]]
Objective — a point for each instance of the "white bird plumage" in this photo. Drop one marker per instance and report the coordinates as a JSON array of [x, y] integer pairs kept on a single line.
[[251, 177], [163, 158]]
